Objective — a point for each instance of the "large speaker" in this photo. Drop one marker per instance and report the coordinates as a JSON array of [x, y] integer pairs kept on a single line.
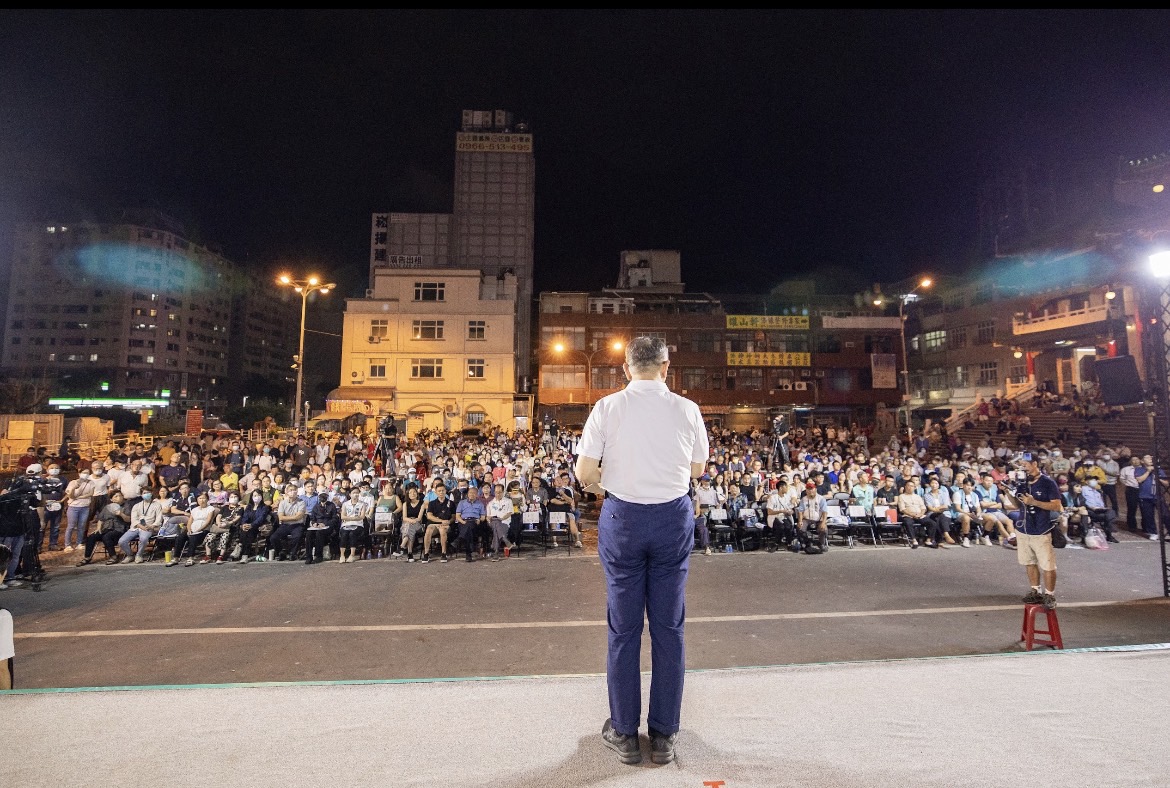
[[1119, 381]]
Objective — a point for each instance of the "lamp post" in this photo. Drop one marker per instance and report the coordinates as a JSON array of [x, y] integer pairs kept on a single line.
[[903, 298], [1155, 312], [561, 348], [304, 287]]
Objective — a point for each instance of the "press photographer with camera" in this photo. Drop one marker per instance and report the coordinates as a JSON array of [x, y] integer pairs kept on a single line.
[[1039, 497]]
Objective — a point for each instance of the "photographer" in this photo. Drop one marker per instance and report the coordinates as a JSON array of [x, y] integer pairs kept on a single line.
[[1040, 498], [24, 536], [387, 444]]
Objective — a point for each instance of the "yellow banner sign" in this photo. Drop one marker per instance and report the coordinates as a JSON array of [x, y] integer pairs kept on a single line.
[[466, 141], [768, 321], [735, 359]]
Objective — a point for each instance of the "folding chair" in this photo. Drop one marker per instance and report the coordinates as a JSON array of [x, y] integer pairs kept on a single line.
[[382, 534], [558, 525], [887, 520], [720, 528], [838, 522], [860, 519], [533, 527], [750, 526]]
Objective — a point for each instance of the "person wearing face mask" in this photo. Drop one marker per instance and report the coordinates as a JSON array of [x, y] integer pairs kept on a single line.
[[52, 494], [1099, 513], [193, 536], [1089, 470], [146, 518], [234, 460], [1112, 470], [253, 519], [111, 523], [101, 488], [78, 499], [223, 529]]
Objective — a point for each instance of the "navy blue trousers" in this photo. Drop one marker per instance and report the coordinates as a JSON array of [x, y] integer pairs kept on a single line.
[[645, 551]]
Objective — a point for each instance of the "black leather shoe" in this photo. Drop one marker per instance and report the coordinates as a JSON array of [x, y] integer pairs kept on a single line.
[[627, 747], [661, 747]]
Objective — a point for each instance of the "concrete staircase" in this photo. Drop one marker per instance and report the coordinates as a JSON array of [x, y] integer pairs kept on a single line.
[[1131, 429]]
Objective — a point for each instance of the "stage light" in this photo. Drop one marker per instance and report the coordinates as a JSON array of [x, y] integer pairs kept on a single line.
[[1160, 264]]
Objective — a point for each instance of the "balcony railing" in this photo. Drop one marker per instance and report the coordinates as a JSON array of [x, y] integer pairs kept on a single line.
[[1071, 319]]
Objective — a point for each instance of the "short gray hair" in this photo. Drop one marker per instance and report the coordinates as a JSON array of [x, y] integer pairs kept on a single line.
[[643, 354]]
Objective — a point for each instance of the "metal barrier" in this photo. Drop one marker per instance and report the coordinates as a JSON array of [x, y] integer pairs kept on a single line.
[[102, 448]]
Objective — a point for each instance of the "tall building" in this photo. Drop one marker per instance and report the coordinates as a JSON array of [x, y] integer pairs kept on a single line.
[[490, 228], [742, 358], [433, 345], [265, 334], [132, 309]]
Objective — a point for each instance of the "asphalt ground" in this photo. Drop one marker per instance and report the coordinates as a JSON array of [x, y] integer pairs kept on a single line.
[[545, 615]]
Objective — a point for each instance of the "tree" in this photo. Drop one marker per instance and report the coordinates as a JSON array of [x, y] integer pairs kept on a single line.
[[22, 393]]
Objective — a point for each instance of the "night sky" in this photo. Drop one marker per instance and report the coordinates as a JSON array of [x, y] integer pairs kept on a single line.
[[763, 145]]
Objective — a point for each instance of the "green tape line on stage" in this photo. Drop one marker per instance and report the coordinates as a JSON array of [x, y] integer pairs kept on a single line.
[[451, 679]]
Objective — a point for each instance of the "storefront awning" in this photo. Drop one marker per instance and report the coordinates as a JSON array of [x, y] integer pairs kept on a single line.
[[714, 410]]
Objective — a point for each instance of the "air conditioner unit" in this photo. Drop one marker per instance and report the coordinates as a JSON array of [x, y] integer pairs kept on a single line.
[[850, 344], [820, 373], [801, 385], [788, 386], [731, 373], [369, 293], [374, 340], [450, 410], [672, 348]]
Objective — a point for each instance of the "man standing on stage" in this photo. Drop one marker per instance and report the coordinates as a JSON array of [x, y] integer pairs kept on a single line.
[[652, 443]]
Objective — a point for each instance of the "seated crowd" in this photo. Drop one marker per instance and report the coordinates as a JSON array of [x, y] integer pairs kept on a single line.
[[218, 501]]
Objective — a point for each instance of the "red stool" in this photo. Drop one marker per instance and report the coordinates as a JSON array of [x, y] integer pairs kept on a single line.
[[1029, 634]]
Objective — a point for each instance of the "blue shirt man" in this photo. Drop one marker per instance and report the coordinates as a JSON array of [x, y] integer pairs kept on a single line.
[[469, 513]]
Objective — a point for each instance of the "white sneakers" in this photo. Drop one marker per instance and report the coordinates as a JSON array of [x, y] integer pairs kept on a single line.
[[69, 548], [987, 541], [966, 542], [708, 551]]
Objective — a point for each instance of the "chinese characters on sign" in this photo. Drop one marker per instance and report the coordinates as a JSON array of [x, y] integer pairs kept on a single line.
[[735, 359], [768, 321], [493, 143], [378, 236], [404, 261], [884, 368]]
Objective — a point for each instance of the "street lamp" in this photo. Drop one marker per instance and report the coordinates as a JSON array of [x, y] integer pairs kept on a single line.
[[923, 283], [561, 348], [304, 287]]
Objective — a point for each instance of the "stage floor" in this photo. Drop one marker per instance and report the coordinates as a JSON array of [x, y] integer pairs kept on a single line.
[[1071, 718]]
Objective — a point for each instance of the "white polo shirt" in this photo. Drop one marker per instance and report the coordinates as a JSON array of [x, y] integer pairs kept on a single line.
[[646, 438]]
